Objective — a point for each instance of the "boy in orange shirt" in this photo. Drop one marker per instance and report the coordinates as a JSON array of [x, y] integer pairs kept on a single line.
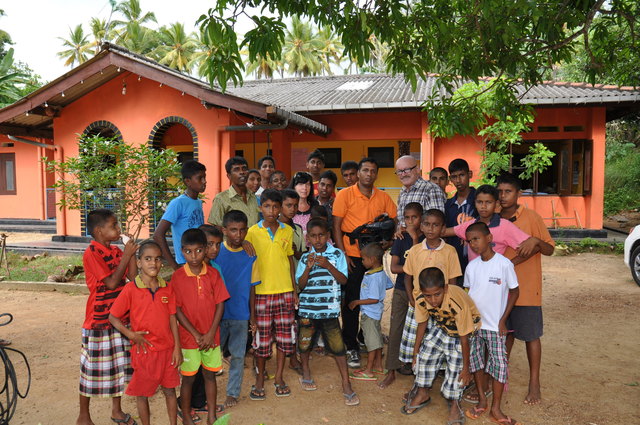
[[200, 296], [154, 332]]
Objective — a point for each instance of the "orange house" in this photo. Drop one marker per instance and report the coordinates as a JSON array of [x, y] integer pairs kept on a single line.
[[139, 101]]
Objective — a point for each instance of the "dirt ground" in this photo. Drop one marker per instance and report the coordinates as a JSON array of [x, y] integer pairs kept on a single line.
[[590, 369]]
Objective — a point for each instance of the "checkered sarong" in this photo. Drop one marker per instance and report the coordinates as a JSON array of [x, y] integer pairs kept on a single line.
[[275, 311], [408, 336], [437, 346], [497, 363], [105, 363]]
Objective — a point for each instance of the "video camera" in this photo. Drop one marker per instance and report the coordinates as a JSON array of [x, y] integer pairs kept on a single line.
[[380, 229]]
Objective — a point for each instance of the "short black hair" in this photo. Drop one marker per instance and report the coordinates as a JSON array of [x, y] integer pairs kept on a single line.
[[266, 158], [210, 230], [97, 218], [373, 250], [415, 206], [289, 194], [277, 172], [253, 171], [479, 226], [489, 190], [435, 213], [319, 211], [431, 277], [316, 154], [146, 244], [458, 164], [318, 222], [440, 170], [348, 165], [271, 195], [191, 167], [234, 216], [234, 160], [193, 237], [508, 178], [367, 159], [330, 175]]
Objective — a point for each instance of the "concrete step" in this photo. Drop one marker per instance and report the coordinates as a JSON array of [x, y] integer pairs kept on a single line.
[[21, 228], [26, 222]]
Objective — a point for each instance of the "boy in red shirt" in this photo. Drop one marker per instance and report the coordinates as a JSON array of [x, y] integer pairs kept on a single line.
[[104, 362], [200, 296], [150, 302]]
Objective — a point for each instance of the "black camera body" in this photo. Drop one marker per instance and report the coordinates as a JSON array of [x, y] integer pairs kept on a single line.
[[380, 229]]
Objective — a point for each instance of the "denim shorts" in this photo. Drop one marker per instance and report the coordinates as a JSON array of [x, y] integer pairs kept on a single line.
[[310, 329]]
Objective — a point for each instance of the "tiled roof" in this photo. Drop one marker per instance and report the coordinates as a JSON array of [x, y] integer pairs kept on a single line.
[[383, 91]]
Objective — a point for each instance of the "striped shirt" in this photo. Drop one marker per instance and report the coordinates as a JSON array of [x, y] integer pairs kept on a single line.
[[320, 298], [426, 193]]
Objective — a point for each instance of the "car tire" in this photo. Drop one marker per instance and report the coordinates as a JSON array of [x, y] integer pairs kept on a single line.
[[634, 264]]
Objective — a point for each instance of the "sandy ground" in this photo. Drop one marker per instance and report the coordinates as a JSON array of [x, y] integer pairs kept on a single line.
[[26, 237], [590, 369]]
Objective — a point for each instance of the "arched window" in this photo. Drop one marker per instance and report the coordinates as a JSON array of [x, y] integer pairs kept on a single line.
[[175, 133]]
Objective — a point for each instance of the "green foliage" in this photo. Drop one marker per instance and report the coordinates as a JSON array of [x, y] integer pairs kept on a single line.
[[177, 48], [622, 182], [590, 245], [23, 269], [538, 159], [145, 179], [10, 79], [78, 47]]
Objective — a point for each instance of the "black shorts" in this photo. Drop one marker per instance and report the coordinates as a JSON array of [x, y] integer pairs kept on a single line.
[[525, 322]]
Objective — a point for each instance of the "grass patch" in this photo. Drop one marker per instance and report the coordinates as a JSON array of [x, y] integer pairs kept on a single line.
[[39, 268], [590, 245]]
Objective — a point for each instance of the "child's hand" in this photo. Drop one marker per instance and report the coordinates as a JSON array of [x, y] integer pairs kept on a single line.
[[296, 300], [465, 376], [311, 260], [502, 328], [176, 358], [130, 249], [252, 325], [140, 341], [527, 248], [353, 304], [207, 341], [248, 248], [198, 338], [321, 261]]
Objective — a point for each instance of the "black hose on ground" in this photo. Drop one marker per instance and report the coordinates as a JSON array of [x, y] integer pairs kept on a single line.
[[9, 391]]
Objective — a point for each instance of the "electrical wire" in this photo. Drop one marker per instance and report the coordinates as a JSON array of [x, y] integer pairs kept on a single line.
[[9, 392]]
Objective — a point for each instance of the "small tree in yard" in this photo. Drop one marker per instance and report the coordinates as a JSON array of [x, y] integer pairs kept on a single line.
[[138, 179]]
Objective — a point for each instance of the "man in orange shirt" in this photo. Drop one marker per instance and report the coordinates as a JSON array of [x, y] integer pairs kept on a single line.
[[525, 319], [353, 207]]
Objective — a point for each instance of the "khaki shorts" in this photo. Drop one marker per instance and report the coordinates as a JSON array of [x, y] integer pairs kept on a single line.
[[372, 332]]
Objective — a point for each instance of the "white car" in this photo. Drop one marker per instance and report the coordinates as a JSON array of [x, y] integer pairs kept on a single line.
[[632, 253]]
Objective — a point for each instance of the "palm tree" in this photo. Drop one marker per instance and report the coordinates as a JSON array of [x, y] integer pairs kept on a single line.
[[79, 47], [177, 48], [332, 49], [377, 58], [139, 39], [10, 78], [132, 13], [302, 49], [101, 31], [264, 66]]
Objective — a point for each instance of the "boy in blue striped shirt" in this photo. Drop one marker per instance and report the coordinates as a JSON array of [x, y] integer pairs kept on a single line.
[[319, 275]]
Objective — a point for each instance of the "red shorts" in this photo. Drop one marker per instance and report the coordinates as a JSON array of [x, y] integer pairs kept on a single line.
[[275, 311], [151, 370]]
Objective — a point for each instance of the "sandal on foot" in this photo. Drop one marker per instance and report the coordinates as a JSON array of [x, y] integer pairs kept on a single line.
[[125, 420], [379, 371], [361, 375], [307, 384], [504, 421], [205, 409], [257, 394], [282, 390], [195, 418], [474, 399], [475, 412], [405, 409], [410, 394], [351, 399], [461, 417]]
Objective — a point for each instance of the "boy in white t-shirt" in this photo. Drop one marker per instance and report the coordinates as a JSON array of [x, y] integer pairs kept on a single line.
[[493, 286]]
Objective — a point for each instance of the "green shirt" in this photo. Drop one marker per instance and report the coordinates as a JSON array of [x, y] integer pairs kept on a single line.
[[228, 200]]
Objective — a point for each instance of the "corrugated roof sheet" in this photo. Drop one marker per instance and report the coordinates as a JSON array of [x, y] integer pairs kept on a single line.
[[327, 93]]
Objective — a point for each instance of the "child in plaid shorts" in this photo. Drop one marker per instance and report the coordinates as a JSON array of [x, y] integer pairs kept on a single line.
[[493, 286], [452, 317]]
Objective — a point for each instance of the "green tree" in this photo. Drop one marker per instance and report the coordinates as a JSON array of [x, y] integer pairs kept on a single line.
[[10, 80], [263, 67], [302, 48], [132, 14], [5, 38], [177, 48], [102, 30], [330, 50], [139, 39], [78, 47]]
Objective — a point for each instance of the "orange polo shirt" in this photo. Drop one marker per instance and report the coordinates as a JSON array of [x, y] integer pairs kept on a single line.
[[530, 272], [148, 311], [356, 210], [197, 296]]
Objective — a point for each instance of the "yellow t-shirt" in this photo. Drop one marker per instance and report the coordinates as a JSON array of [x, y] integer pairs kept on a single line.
[[420, 257], [458, 315], [273, 251]]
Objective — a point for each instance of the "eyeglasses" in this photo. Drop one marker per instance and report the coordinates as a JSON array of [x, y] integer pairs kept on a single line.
[[405, 170]]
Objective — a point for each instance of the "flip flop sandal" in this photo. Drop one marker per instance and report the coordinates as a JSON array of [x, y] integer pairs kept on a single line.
[[360, 375], [404, 409], [409, 395], [282, 390], [194, 417], [475, 412], [461, 419], [468, 398], [127, 417], [351, 399], [504, 421], [5, 342], [219, 409], [257, 394], [307, 384], [380, 372]]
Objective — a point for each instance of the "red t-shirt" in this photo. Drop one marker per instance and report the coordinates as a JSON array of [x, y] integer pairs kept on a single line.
[[148, 311], [197, 297], [99, 262]]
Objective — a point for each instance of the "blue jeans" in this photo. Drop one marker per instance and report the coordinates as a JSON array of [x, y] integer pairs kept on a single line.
[[233, 337]]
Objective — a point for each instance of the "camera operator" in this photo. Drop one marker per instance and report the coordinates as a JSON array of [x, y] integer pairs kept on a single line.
[[353, 207]]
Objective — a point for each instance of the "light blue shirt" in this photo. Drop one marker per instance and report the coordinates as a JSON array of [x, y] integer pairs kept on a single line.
[[183, 213], [374, 287]]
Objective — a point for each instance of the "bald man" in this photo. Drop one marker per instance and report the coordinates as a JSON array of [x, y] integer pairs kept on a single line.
[[416, 189]]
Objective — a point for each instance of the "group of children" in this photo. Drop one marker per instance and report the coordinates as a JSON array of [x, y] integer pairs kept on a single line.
[[177, 328]]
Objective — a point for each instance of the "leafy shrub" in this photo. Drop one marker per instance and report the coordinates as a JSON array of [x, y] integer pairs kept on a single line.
[[622, 181]]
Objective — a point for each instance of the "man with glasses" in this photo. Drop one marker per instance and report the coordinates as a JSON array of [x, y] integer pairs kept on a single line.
[[416, 189], [237, 197]]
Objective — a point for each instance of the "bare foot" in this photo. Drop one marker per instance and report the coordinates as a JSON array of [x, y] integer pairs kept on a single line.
[[534, 396], [84, 420], [388, 380], [230, 401]]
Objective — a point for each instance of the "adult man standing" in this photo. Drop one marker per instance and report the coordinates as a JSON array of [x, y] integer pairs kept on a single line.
[[353, 207], [416, 189], [237, 197]]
